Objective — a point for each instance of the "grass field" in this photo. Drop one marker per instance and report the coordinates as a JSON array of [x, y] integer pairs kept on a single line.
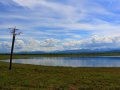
[[31, 77]]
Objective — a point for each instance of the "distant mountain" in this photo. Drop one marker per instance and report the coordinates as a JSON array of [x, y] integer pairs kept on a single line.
[[79, 51], [60, 52], [32, 52]]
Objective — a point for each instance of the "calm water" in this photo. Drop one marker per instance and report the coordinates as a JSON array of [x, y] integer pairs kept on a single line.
[[72, 61]]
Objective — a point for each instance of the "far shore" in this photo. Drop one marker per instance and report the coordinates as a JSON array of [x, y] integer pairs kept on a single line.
[[27, 56]]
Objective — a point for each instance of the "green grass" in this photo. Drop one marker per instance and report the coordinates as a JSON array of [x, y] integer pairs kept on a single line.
[[31, 77]]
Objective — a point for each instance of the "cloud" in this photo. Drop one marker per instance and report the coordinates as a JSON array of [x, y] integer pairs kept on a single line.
[[6, 45], [20, 44], [28, 3], [36, 45], [94, 42], [70, 17], [60, 24]]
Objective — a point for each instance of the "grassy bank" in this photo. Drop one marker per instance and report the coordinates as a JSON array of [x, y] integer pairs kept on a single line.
[[26, 56], [30, 77]]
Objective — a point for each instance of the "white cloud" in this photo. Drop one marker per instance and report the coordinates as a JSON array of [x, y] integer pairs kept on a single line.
[[75, 15], [20, 44], [70, 15], [6, 45], [27, 3], [37, 45], [94, 42]]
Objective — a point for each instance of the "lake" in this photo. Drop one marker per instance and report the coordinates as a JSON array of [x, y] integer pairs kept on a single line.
[[106, 61]]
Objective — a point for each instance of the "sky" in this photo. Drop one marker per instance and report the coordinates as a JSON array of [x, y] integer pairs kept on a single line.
[[50, 25]]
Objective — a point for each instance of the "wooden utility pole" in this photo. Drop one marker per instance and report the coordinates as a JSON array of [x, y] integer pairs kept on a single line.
[[13, 31]]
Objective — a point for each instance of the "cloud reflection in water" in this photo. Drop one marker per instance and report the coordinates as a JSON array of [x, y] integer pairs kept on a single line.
[[73, 61]]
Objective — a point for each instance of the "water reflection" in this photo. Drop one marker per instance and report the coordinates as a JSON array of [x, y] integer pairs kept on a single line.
[[73, 61]]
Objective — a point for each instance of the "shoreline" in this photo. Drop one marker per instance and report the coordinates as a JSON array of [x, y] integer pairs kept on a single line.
[[27, 56]]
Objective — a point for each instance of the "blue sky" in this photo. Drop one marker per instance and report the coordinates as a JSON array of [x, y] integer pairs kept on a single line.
[[49, 25]]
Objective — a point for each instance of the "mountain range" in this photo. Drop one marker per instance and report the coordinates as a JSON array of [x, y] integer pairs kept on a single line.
[[79, 51]]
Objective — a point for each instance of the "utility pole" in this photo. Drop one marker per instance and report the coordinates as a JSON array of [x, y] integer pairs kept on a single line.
[[13, 32]]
